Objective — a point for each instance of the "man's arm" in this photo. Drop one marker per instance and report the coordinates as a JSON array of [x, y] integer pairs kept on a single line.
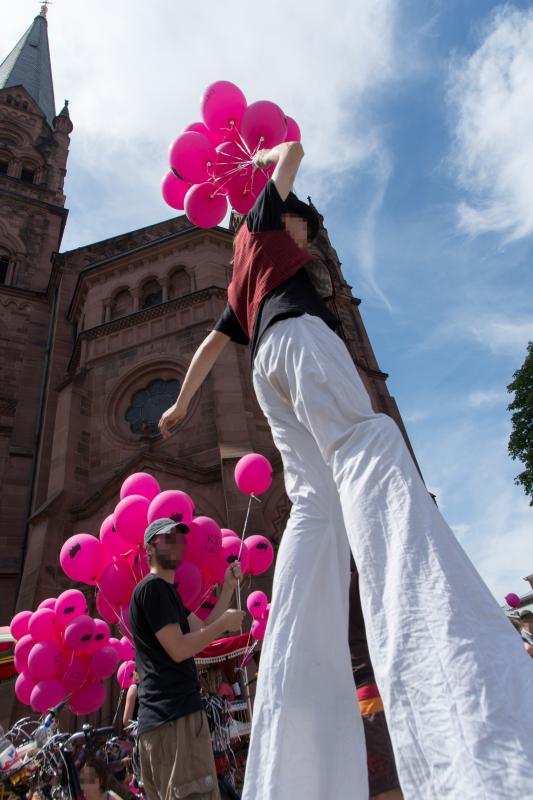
[[287, 156], [200, 366], [181, 646]]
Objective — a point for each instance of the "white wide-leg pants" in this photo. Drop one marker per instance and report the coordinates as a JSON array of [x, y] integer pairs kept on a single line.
[[455, 680]]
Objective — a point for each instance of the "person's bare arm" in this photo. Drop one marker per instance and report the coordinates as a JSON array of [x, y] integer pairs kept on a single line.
[[129, 705], [181, 646], [287, 157], [200, 366]]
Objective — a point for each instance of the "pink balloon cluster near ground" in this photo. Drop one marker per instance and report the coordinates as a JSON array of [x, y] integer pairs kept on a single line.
[[211, 161], [61, 649]]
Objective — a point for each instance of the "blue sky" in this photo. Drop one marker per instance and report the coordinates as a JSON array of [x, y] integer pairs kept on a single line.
[[417, 125]]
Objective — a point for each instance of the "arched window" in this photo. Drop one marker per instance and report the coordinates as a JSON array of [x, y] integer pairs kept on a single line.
[[179, 284], [4, 264], [122, 304], [151, 294], [4, 166], [27, 175], [148, 404]]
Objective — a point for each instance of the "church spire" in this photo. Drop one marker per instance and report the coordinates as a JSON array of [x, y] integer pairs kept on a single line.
[[28, 65]]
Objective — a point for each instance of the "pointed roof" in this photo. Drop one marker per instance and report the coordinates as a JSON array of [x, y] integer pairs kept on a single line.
[[28, 65]]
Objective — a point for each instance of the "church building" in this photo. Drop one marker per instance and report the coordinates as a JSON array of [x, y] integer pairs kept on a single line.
[[94, 343]]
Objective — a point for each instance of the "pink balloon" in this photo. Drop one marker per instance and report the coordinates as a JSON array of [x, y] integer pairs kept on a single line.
[[19, 624], [214, 136], [126, 674], [203, 542], [24, 685], [79, 634], [261, 554], [192, 156], [256, 604], [100, 636], [206, 607], [293, 131], [88, 699], [105, 610], [253, 474], [218, 571], [171, 504], [117, 582], [140, 483], [204, 207], [229, 532], [232, 550], [44, 625], [222, 105], [81, 558], [69, 605], [22, 651], [263, 125], [111, 541], [174, 190], [128, 651], [241, 200], [512, 600], [188, 582], [116, 644], [50, 603], [45, 660], [46, 694], [130, 518], [230, 157], [225, 690], [104, 663], [76, 672], [139, 563], [258, 629]]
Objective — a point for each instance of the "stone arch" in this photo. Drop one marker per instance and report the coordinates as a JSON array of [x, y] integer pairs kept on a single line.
[[151, 292], [179, 282], [121, 303]]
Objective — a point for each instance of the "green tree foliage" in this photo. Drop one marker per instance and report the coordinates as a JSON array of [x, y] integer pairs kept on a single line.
[[521, 439]]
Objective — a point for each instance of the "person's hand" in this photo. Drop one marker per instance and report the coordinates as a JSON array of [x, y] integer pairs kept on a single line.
[[262, 159], [232, 620], [233, 576], [171, 416]]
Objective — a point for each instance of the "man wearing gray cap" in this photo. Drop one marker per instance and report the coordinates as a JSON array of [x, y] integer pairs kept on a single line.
[[174, 741]]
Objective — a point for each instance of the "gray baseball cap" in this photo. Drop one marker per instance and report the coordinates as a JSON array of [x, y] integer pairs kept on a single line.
[[162, 526]]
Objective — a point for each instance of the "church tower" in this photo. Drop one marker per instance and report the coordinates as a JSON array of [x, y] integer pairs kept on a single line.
[[34, 144]]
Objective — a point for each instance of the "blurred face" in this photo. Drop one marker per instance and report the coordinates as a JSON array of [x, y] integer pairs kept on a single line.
[[90, 783], [297, 227], [168, 549]]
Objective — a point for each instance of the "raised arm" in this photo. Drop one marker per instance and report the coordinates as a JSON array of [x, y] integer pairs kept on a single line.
[[180, 646], [199, 368], [287, 157]]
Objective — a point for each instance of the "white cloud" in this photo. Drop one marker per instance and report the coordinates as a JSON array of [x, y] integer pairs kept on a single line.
[[500, 335], [488, 399], [134, 72], [492, 97]]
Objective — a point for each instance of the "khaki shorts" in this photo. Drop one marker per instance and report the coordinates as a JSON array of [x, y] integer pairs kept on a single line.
[[177, 760]]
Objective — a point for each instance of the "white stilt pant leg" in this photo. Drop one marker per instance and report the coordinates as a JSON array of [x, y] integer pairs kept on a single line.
[[307, 736], [454, 677]]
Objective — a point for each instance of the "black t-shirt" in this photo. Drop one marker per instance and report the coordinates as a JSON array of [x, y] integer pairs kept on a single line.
[[167, 690], [292, 298]]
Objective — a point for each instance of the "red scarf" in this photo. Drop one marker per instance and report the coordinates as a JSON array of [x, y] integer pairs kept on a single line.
[[261, 262]]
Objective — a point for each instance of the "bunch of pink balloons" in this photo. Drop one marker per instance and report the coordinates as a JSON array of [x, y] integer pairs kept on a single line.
[[259, 607], [62, 651], [211, 161]]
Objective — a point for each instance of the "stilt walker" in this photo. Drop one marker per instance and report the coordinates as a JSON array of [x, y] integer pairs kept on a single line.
[[453, 675]]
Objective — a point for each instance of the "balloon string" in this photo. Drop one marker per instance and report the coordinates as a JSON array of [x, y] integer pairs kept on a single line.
[[204, 597]]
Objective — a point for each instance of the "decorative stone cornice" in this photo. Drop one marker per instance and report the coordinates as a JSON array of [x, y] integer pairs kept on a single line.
[[145, 315]]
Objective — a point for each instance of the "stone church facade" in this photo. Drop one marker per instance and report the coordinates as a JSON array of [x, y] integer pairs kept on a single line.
[[94, 343]]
